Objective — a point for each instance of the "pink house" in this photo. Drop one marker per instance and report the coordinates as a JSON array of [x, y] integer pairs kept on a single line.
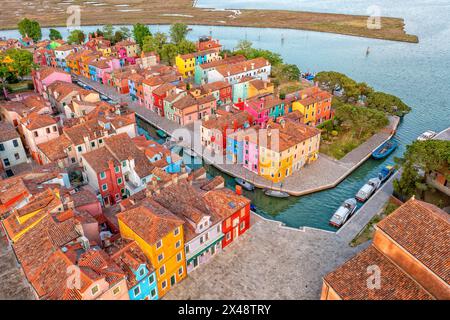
[[45, 76], [100, 70], [251, 153], [123, 55], [148, 85]]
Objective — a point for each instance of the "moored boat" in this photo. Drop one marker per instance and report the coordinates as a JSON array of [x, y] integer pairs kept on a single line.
[[368, 189], [344, 213], [385, 173], [276, 193], [245, 184], [427, 135], [161, 133], [385, 149]]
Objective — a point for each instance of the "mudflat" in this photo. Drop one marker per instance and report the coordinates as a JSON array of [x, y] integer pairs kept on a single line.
[[51, 13]]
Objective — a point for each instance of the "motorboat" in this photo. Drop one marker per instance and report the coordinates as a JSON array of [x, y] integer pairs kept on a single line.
[[368, 189], [245, 184], [344, 213], [385, 149], [385, 173], [161, 133], [276, 193], [427, 135]]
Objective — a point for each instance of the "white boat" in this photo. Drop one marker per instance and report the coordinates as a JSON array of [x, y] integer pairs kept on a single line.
[[276, 193], [368, 189], [427, 135], [244, 184], [344, 213]]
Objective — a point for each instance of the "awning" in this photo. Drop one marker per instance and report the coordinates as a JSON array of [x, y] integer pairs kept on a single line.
[[205, 249]]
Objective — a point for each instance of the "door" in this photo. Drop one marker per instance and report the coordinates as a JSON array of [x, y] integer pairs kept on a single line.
[[235, 233], [195, 262], [172, 280]]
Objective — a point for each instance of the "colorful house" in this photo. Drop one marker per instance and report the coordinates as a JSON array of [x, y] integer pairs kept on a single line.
[[233, 210], [160, 235], [186, 64], [258, 88], [201, 70], [233, 73], [159, 94], [104, 176], [45, 76], [240, 89], [61, 54], [264, 109], [313, 103], [141, 276], [221, 90]]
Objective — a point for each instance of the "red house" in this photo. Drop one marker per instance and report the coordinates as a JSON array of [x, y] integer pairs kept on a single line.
[[159, 94], [222, 90], [104, 173], [234, 210]]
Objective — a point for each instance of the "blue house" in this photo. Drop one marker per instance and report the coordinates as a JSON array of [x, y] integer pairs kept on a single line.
[[141, 276], [235, 148]]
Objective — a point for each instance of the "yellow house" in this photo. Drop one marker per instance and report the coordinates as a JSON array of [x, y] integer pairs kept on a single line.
[[160, 235], [307, 109], [288, 148], [259, 87], [105, 50], [185, 64]]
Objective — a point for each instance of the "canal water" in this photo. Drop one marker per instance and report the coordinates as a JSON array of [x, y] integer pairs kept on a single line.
[[417, 73]]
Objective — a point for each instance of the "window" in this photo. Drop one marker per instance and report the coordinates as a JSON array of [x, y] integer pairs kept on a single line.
[[119, 180], [47, 130], [162, 270], [164, 284], [116, 290], [117, 169], [94, 290], [179, 256], [54, 128], [124, 164], [105, 187], [15, 143], [228, 237], [177, 231], [218, 228], [242, 225], [151, 279], [201, 240], [80, 148], [153, 293], [180, 271], [137, 291], [2, 147], [178, 244], [142, 272], [102, 175], [228, 223], [187, 249], [6, 162], [242, 212], [35, 133], [160, 257], [17, 156], [93, 144], [100, 141], [159, 244]]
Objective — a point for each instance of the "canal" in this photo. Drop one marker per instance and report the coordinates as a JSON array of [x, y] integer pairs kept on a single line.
[[417, 73]]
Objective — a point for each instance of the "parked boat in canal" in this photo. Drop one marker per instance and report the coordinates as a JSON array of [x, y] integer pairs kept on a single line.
[[245, 184], [276, 193], [161, 133], [385, 149], [368, 189], [344, 213], [427, 135], [385, 173]]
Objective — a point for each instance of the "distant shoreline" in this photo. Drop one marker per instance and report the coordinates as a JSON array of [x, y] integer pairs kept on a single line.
[[158, 12]]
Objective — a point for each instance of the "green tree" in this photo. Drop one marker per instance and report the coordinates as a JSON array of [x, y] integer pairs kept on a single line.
[[76, 37], [140, 31], [419, 159], [154, 43], [55, 34], [118, 36], [387, 103], [30, 28], [178, 32], [168, 53], [14, 64], [186, 46], [126, 32], [108, 32]]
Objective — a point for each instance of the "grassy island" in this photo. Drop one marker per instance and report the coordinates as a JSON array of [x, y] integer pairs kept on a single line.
[[173, 11]]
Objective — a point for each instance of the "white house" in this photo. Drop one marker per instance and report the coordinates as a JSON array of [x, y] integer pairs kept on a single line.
[[11, 149], [259, 68]]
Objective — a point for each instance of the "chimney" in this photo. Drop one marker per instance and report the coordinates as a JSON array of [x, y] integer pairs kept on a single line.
[[253, 65], [85, 243]]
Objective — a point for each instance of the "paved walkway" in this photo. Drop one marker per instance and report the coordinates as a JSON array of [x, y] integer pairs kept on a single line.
[[13, 284], [325, 173]]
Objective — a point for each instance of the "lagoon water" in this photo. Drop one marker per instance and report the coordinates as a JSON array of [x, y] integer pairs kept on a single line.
[[417, 73]]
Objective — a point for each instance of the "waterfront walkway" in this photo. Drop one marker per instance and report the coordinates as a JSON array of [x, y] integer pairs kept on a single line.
[[13, 284], [325, 173]]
